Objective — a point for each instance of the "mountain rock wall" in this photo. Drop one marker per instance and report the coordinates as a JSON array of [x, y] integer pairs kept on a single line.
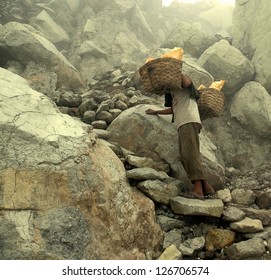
[[251, 34]]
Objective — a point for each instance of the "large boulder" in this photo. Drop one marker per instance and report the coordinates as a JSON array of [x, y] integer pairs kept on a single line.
[[225, 62], [64, 194], [251, 106], [50, 29], [186, 36], [251, 34], [156, 137], [23, 43]]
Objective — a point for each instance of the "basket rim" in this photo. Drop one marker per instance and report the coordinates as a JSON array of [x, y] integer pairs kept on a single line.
[[169, 59]]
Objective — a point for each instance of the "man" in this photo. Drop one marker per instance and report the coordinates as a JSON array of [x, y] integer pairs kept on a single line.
[[187, 119]]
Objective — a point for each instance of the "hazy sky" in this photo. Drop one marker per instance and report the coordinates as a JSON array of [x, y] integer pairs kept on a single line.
[[168, 2]]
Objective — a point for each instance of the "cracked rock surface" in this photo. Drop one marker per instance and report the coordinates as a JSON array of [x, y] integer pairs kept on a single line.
[[58, 195]]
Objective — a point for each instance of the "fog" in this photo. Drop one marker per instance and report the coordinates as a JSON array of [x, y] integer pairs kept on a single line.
[[167, 3]]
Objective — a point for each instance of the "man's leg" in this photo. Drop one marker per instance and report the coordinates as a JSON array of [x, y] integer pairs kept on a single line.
[[190, 155]]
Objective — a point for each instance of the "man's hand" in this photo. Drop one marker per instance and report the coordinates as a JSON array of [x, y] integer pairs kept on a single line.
[[151, 112], [167, 111]]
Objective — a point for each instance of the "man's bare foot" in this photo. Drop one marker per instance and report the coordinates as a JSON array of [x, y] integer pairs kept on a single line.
[[207, 188], [198, 189]]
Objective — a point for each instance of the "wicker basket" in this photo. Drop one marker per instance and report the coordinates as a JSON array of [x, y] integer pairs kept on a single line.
[[210, 103], [161, 74]]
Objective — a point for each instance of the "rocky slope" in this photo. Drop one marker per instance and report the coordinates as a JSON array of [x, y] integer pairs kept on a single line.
[[86, 174]]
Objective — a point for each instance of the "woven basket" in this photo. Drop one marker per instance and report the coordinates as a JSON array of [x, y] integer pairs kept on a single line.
[[161, 74], [210, 103]]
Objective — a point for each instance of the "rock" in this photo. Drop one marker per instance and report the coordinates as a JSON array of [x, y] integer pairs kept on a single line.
[[224, 195], [249, 249], [44, 23], [140, 161], [133, 101], [105, 105], [90, 27], [251, 107], [243, 196], [158, 191], [88, 48], [190, 246], [233, 214], [173, 236], [171, 253], [247, 225], [266, 234], [64, 193], [101, 133], [87, 105], [54, 224], [269, 245], [217, 239], [89, 116], [137, 161], [146, 173], [69, 99], [263, 200], [193, 41], [99, 124], [137, 18], [225, 62], [168, 224], [121, 105], [115, 112], [185, 206], [105, 116], [23, 43], [253, 42], [259, 214], [41, 79]]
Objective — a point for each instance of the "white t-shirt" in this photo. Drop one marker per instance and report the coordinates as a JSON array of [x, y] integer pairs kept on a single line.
[[185, 109]]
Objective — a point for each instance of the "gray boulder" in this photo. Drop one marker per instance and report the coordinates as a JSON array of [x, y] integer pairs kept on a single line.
[[251, 106], [64, 193], [225, 62], [44, 23], [23, 43], [193, 41]]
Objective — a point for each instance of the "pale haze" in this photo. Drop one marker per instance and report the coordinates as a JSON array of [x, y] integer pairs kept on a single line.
[[226, 2]]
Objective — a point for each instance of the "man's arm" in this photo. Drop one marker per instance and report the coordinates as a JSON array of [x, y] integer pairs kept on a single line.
[[167, 111]]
